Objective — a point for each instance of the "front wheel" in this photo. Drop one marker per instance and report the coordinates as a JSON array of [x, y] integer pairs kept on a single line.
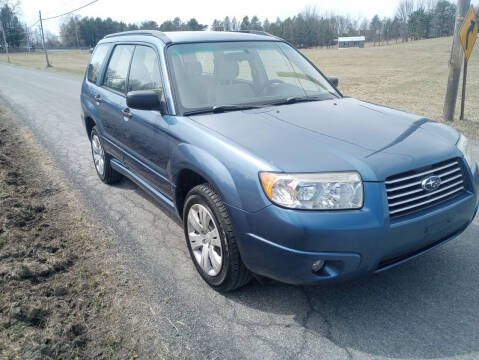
[[211, 242]]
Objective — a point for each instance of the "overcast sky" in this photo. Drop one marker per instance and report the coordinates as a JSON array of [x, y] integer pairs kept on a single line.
[[204, 11]]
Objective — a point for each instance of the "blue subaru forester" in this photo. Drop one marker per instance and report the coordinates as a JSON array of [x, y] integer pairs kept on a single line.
[[272, 171]]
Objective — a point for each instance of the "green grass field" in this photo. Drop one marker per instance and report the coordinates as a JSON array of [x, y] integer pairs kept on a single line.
[[410, 76]]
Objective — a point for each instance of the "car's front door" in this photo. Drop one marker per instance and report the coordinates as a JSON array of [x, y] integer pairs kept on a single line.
[[146, 135], [111, 100]]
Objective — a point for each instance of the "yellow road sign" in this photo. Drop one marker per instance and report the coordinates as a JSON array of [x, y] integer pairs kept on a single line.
[[468, 33]]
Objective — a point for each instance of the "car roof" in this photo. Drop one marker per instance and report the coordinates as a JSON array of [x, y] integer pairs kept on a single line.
[[176, 37]]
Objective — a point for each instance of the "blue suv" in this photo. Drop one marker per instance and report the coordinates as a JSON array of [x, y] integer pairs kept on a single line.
[[272, 171]]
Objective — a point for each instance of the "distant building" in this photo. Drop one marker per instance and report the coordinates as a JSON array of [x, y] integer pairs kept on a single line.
[[351, 42]]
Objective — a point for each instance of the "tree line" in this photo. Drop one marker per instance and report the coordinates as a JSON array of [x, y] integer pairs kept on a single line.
[[413, 20], [87, 31]]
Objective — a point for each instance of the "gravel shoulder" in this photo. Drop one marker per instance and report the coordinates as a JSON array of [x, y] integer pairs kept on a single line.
[[65, 292]]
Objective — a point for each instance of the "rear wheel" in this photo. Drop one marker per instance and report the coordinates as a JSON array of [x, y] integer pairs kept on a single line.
[[101, 160], [211, 242]]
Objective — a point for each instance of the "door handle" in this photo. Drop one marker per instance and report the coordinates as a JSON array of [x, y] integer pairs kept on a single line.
[[126, 114], [98, 99]]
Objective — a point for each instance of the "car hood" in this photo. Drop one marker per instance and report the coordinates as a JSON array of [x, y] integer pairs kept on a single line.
[[337, 135]]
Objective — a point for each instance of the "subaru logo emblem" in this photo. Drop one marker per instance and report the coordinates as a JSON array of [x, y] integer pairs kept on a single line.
[[431, 183]]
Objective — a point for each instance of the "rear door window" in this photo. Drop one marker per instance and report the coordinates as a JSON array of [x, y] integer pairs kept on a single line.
[[117, 70], [96, 62]]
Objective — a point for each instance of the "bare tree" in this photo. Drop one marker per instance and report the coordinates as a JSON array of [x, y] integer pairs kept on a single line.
[[13, 5], [405, 8]]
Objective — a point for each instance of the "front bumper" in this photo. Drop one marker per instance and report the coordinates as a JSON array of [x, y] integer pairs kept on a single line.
[[283, 244]]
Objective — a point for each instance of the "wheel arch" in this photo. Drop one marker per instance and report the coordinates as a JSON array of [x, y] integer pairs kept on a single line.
[[193, 166], [89, 125]]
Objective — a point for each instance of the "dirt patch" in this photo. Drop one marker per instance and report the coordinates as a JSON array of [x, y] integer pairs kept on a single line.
[[63, 295]]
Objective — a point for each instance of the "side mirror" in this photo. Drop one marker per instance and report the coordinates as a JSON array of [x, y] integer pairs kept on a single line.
[[91, 50], [333, 80], [145, 100]]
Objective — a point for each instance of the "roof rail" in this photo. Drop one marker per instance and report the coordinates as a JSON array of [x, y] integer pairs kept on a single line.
[[258, 32], [158, 34]]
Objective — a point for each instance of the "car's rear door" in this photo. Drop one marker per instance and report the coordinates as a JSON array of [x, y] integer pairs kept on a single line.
[[94, 70], [146, 135], [111, 98]]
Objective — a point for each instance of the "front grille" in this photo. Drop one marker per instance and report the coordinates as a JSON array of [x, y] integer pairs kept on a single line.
[[406, 194]]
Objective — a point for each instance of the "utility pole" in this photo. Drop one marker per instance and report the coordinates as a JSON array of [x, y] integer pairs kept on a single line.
[[43, 39], [5, 44], [76, 34], [464, 82], [27, 31], [455, 62]]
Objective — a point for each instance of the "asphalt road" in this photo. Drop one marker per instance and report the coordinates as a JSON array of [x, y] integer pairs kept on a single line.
[[425, 309]]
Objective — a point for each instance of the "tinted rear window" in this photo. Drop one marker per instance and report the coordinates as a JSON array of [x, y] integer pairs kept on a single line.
[[96, 62]]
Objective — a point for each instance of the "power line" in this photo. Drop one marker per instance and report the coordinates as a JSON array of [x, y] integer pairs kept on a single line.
[[69, 12], [36, 22], [61, 6], [72, 11]]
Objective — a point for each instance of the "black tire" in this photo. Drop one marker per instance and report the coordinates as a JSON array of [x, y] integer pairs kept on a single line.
[[109, 176], [233, 274]]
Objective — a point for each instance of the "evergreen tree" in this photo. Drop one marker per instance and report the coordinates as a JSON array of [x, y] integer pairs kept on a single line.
[[245, 24], [14, 31], [266, 25], [255, 24], [443, 19], [227, 24], [194, 25], [376, 29], [234, 24], [149, 25], [217, 25]]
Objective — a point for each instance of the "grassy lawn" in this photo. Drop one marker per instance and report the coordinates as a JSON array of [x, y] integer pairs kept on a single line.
[[410, 76], [73, 61]]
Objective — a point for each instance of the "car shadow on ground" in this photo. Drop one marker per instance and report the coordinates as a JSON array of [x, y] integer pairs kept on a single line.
[[427, 308], [128, 185]]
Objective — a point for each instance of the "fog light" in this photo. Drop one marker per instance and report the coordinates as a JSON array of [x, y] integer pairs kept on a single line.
[[318, 265]]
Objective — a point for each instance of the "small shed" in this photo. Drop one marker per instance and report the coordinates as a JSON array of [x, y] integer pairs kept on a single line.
[[351, 42]]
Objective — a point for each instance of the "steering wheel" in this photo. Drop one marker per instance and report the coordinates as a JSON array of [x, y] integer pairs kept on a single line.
[[268, 84]]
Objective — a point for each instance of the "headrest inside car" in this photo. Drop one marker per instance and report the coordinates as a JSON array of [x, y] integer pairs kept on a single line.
[[226, 70]]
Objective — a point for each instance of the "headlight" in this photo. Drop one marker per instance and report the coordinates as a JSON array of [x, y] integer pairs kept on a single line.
[[326, 191], [466, 148]]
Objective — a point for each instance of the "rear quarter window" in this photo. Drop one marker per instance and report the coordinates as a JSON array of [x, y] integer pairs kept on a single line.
[[96, 62]]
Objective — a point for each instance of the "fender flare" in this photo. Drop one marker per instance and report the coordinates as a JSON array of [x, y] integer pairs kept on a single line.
[[189, 157]]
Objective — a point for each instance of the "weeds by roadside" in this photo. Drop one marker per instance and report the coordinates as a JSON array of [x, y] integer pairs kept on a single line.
[[63, 295]]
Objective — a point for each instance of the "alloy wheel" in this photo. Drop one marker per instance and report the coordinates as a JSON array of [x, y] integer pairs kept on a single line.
[[204, 239], [98, 154]]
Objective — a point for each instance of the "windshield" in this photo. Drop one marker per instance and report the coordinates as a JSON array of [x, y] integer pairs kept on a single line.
[[210, 75]]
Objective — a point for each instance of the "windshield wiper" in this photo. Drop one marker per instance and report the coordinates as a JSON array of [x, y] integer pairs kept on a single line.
[[222, 108], [198, 112], [297, 99]]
